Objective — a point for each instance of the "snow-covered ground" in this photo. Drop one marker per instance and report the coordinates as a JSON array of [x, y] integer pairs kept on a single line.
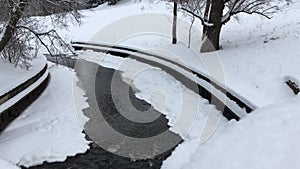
[[258, 55], [250, 65], [51, 128], [97, 18], [7, 165], [267, 138]]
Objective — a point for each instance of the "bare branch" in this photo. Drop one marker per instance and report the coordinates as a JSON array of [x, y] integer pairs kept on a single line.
[[253, 12], [203, 22]]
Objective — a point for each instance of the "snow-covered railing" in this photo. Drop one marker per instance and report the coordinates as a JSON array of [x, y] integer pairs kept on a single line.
[[230, 110], [13, 102], [10, 94]]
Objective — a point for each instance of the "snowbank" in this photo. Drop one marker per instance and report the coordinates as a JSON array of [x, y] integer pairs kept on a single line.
[[7, 165], [267, 138], [258, 55], [97, 18], [51, 128]]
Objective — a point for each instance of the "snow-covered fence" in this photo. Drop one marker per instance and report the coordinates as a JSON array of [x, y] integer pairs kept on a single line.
[[235, 108], [13, 102]]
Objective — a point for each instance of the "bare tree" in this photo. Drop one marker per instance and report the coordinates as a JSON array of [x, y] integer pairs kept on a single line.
[[218, 12], [21, 34], [174, 29], [193, 6]]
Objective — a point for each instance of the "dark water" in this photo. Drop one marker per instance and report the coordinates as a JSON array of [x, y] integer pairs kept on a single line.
[[109, 97]]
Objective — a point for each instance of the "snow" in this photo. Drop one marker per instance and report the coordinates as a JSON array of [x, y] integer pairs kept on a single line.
[[256, 59], [246, 58], [6, 165], [1, 32], [51, 128], [99, 17], [267, 138], [22, 94], [250, 54], [2, 29], [221, 96], [188, 113], [16, 75]]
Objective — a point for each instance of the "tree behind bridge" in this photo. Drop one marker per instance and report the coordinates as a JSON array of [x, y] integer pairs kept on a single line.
[[216, 13]]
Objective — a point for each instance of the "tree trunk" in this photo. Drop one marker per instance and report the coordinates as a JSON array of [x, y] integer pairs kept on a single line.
[[10, 27], [211, 42], [206, 12], [174, 41], [190, 31]]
